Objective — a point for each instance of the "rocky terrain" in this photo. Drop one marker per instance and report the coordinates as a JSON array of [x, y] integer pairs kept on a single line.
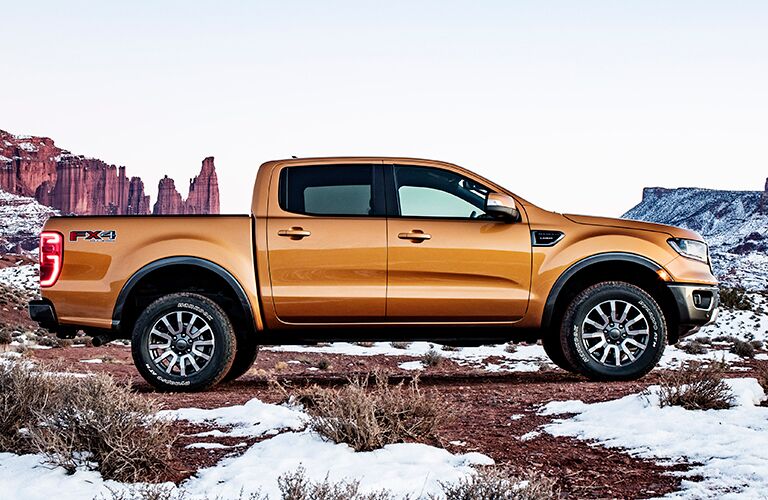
[[734, 223], [34, 167]]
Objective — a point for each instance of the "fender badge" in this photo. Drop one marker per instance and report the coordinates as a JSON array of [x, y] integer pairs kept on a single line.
[[93, 236]]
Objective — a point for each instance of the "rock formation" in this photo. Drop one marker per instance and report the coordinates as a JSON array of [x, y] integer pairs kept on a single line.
[[168, 199], [36, 167], [203, 195]]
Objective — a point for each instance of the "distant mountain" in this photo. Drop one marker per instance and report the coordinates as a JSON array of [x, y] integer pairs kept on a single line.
[[35, 167], [734, 223]]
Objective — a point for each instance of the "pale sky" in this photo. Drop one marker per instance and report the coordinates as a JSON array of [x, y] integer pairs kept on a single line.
[[574, 105]]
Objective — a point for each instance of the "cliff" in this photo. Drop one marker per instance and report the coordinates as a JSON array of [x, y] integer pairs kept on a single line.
[[734, 223], [74, 184]]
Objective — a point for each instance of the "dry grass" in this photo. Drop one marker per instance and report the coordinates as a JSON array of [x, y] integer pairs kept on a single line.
[[695, 386], [83, 421], [735, 298], [743, 349], [761, 374], [692, 347], [400, 345], [296, 486], [432, 358], [368, 416], [493, 483]]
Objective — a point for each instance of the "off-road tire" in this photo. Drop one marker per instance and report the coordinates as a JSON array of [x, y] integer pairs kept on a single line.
[[223, 334], [554, 349], [571, 329], [247, 349]]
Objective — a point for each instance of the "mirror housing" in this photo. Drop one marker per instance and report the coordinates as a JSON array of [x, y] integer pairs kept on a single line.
[[502, 206]]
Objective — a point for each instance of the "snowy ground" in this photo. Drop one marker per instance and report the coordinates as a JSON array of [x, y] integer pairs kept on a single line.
[[729, 446], [525, 358], [404, 469]]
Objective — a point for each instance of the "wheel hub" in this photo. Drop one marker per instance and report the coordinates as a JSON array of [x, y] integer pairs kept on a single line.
[[181, 343], [615, 333]]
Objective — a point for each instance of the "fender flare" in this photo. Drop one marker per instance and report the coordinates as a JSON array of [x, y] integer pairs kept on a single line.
[[562, 280], [129, 285]]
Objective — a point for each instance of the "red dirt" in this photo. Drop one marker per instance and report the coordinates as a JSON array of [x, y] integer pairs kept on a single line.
[[482, 402]]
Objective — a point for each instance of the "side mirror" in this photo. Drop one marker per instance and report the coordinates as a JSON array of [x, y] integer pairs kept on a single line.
[[502, 207]]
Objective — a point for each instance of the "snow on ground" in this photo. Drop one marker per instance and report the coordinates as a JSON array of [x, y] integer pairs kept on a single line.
[[253, 418], [405, 469], [525, 358], [728, 448], [21, 277]]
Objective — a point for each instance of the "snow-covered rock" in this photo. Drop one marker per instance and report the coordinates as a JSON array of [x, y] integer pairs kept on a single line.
[[734, 223], [21, 220]]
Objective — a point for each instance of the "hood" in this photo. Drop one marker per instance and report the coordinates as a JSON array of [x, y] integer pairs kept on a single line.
[[674, 231]]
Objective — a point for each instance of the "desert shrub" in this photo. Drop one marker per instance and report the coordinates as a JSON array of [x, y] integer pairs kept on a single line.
[[695, 386], [24, 394], [5, 336], [693, 347], [116, 428], [511, 347], [757, 344], [761, 374], [499, 483], [432, 358], [167, 492], [53, 341], [323, 364], [365, 344], [743, 349], [704, 340], [450, 348], [296, 486], [400, 345], [369, 416], [724, 338], [91, 421], [735, 298]]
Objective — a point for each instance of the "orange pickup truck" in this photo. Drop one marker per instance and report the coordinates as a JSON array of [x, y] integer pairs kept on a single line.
[[375, 249]]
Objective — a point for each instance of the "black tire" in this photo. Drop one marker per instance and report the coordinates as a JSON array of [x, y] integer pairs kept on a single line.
[[221, 352], [554, 349], [247, 349], [579, 335]]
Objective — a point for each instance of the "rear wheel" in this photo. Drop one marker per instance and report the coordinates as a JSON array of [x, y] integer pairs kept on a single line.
[[247, 349], [613, 331], [183, 342], [554, 349]]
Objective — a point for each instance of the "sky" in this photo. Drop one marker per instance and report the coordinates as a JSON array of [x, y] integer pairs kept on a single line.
[[575, 106]]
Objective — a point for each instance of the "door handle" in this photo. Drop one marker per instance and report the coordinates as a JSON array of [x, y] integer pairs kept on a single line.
[[416, 236], [294, 233]]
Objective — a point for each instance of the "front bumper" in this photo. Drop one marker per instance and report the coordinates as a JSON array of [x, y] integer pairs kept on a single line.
[[697, 305]]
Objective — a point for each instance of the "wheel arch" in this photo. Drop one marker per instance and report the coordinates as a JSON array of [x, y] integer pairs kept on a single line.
[[623, 266], [142, 286]]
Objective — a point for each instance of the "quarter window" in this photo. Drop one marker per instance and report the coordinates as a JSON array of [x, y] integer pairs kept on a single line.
[[343, 190], [432, 192]]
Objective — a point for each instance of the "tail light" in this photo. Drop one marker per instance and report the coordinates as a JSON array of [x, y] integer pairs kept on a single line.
[[51, 256]]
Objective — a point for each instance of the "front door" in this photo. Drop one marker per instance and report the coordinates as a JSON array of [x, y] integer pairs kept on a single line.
[[327, 244], [448, 260]]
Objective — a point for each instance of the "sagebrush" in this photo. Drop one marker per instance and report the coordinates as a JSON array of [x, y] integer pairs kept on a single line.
[[695, 386], [499, 483], [368, 416], [90, 421]]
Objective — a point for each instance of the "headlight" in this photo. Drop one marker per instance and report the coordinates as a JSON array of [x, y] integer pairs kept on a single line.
[[692, 249]]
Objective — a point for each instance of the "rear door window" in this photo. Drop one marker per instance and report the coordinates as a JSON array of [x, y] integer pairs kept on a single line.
[[328, 190]]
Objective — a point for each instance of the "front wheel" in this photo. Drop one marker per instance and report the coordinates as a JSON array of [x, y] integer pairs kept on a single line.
[[183, 342], [613, 331]]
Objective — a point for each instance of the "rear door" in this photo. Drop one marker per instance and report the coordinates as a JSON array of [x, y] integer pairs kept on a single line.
[[327, 244], [448, 260]]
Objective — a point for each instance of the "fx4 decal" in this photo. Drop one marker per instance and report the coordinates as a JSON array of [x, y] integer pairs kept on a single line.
[[93, 235]]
